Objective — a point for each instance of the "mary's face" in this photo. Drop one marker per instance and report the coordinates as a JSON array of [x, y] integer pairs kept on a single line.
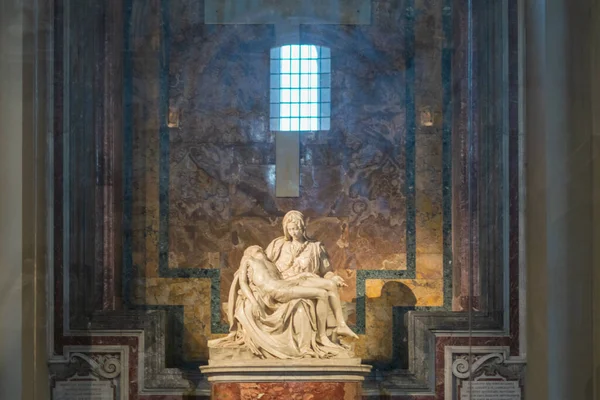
[[295, 231]]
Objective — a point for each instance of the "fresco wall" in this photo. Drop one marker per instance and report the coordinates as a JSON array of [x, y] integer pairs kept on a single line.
[[200, 167]]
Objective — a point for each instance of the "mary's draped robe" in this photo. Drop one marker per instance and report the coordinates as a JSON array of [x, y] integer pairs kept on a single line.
[[285, 331]]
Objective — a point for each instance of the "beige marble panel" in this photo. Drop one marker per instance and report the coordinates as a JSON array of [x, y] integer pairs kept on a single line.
[[382, 295], [222, 161]]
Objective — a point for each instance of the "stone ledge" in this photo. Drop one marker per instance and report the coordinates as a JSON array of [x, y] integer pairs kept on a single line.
[[316, 370]]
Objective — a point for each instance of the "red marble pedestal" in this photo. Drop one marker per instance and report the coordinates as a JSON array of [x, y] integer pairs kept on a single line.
[[306, 379], [286, 391]]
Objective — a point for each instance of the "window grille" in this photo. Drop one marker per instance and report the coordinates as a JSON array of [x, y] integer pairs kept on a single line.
[[300, 88]]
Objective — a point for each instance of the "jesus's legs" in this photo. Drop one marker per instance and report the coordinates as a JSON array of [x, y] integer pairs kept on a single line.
[[320, 295], [322, 310], [334, 301]]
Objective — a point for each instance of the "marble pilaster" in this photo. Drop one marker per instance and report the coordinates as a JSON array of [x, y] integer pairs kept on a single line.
[[561, 182]]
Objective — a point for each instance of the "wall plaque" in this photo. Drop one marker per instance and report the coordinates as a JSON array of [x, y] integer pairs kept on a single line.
[[490, 390], [83, 390], [347, 12]]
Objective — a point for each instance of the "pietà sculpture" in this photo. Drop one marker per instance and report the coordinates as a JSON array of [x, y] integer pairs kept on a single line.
[[278, 305]]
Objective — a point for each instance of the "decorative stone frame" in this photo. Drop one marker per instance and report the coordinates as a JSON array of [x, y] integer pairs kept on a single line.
[[496, 358], [107, 363], [84, 271]]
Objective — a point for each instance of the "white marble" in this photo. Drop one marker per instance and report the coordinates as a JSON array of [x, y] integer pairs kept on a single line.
[[271, 370], [280, 301]]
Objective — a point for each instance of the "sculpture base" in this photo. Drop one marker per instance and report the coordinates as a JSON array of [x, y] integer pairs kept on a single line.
[[229, 354], [332, 379]]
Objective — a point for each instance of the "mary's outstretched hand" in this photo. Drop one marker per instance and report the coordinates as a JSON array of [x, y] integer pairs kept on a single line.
[[338, 281]]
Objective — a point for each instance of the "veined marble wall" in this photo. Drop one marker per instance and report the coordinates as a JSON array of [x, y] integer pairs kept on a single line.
[[375, 187], [148, 221]]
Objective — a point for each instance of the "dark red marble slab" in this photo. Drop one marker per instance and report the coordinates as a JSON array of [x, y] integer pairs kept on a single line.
[[286, 390]]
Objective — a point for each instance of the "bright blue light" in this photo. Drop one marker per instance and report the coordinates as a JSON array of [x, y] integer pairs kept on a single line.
[[299, 95]]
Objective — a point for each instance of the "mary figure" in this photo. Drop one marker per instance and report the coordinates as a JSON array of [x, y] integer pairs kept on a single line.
[[295, 253]]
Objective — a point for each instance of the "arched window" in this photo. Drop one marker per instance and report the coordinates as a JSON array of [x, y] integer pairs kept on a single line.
[[300, 88]]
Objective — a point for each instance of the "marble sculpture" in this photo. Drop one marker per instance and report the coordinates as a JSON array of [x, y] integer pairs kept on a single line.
[[281, 298]]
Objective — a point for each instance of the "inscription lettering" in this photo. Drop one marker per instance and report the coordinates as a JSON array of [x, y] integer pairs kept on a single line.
[[490, 390], [83, 390]]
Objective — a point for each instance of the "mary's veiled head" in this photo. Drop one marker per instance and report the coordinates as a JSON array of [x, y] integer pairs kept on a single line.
[[294, 218]]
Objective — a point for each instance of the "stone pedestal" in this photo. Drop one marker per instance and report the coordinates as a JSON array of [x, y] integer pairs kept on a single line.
[[332, 379], [286, 390]]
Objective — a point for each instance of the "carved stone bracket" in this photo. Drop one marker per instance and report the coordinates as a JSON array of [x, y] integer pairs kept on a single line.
[[480, 363], [467, 365], [100, 363], [105, 366]]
